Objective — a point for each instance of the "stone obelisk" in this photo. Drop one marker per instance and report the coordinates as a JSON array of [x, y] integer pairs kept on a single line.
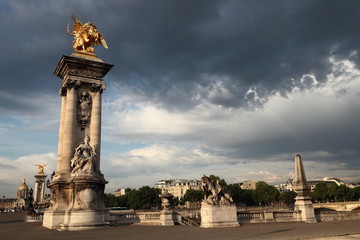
[[301, 187], [77, 189]]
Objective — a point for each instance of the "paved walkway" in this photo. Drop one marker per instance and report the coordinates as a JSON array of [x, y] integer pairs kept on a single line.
[[12, 227]]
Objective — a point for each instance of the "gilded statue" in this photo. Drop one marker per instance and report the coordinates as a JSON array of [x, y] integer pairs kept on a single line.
[[86, 36], [41, 168]]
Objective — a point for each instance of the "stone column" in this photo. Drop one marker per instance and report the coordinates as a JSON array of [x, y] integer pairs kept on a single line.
[[95, 125], [61, 130], [69, 127], [77, 189]]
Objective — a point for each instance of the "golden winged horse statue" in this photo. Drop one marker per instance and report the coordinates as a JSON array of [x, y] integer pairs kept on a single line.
[[86, 36]]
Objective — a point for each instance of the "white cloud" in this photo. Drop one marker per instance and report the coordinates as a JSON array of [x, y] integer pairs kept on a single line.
[[14, 170], [203, 139]]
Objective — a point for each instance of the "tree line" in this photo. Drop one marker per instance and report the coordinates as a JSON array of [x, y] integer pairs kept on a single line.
[[331, 192], [264, 195]]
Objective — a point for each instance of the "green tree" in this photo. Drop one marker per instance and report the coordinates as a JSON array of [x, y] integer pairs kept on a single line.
[[111, 200], [355, 194], [265, 194], [320, 192], [222, 182], [288, 197], [344, 193], [193, 195], [174, 201], [133, 199], [332, 191], [247, 197], [149, 197], [235, 192]]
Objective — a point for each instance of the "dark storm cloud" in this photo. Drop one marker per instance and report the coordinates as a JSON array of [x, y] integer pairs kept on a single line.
[[166, 49]]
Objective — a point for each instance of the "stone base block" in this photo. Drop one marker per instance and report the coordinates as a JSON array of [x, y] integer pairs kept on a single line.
[[218, 216], [166, 218], [53, 219], [304, 205], [76, 220]]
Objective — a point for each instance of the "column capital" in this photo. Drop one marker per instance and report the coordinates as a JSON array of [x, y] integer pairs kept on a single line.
[[98, 87], [82, 69]]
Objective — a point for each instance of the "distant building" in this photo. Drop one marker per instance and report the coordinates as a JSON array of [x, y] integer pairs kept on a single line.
[[285, 187], [178, 187], [120, 192], [21, 201], [248, 185], [288, 186]]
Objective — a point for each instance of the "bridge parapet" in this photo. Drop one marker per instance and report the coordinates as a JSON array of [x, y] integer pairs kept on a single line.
[[338, 206]]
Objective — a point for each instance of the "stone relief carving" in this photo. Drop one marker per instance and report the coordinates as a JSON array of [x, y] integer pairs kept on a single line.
[[86, 198], [84, 109], [86, 73], [84, 156], [214, 193]]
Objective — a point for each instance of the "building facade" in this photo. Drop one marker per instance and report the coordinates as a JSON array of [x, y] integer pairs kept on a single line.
[[248, 185], [178, 187]]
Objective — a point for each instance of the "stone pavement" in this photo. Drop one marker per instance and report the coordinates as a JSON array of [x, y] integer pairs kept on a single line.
[[12, 227]]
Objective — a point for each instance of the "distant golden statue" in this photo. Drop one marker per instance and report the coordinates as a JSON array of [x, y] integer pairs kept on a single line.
[[86, 36], [41, 168]]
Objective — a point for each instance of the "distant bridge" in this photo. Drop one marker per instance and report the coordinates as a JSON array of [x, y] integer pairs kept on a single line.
[[338, 206]]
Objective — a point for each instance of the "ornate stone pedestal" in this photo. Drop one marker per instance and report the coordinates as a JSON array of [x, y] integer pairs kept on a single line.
[[166, 215], [218, 216], [166, 218], [39, 189], [304, 204], [77, 189]]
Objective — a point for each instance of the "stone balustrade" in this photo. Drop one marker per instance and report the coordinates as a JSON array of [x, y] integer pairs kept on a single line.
[[267, 216], [253, 216]]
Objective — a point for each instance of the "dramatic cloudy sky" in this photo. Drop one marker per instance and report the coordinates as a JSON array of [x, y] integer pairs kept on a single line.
[[232, 88]]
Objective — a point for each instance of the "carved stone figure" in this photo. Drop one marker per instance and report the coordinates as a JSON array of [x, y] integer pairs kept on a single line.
[[86, 36], [214, 193], [84, 157], [41, 168], [84, 109]]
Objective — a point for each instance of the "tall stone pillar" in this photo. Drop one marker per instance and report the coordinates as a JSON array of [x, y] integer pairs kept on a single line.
[[301, 187], [77, 188], [39, 191]]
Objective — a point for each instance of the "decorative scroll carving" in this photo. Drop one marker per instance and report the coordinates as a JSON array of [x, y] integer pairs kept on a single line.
[[84, 109], [214, 194], [83, 160], [98, 87]]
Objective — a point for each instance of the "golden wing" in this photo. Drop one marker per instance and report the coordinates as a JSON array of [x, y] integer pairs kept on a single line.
[[78, 26], [102, 41]]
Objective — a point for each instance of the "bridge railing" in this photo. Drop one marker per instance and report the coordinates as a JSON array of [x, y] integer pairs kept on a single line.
[[121, 217], [268, 216]]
